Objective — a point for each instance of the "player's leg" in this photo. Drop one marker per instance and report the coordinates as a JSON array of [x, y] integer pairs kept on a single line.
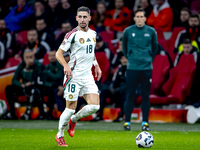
[[92, 107], [71, 91], [132, 81], [145, 92]]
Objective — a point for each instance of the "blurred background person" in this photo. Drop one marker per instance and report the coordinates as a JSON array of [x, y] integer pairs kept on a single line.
[[16, 20], [44, 34], [39, 48], [161, 16]]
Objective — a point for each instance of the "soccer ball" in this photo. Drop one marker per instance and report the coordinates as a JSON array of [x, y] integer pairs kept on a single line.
[[144, 140]]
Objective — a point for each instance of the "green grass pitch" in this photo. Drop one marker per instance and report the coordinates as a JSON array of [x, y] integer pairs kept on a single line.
[[36, 135]]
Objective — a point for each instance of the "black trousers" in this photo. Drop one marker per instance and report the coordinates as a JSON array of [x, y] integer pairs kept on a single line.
[[133, 78], [12, 91]]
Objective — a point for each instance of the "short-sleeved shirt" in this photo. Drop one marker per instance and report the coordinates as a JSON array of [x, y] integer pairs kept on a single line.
[[81, 46]]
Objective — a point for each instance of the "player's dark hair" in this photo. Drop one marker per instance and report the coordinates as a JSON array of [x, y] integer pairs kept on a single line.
[[186, 9], [186, 41], [194, 16], [140, 10], [83, 8]]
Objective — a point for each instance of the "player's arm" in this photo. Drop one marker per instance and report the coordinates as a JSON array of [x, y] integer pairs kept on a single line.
[[97, 69], [61, 60]]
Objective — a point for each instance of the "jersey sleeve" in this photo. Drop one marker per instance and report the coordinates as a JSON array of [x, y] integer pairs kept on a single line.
[[66, 43]]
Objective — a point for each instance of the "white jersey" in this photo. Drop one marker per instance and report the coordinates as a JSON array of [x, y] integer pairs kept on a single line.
[[81, 46]]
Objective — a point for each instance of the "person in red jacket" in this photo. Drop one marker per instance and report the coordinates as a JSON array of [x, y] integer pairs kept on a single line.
[[119, 18], [161, 16]]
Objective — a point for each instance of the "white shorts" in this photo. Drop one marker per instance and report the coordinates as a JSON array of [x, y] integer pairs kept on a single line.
[[78, 87]]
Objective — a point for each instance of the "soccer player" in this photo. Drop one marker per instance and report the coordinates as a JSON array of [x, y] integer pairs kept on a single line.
[[78, 80]]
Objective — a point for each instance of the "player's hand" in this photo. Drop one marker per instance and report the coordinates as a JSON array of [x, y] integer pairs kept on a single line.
[[97, 72], [68, 72]]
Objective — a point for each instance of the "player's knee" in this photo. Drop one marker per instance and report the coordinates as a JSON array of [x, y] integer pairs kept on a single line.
[[95, 108]]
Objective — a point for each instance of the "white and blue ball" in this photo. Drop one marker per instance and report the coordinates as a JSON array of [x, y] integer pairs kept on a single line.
[[144, 140]]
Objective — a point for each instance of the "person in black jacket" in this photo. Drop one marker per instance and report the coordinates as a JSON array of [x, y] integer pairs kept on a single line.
[[39, 48], [43, 33], [65, 28], [5, 43]]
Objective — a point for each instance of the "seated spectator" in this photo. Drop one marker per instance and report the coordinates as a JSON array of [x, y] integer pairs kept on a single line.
[[58, 93], [187, 49], [53, 10], [161, 16], [39, 12], [5, 43], [147, 7], [16, 19], [66, 14], [115, 90], [25, 82], [38, 48], [65, 28], [5, 35], [53, 73], [43, 33], [193, 33], [117, 57], [119, 18], [102, 46], [99, 17], [184, 17]]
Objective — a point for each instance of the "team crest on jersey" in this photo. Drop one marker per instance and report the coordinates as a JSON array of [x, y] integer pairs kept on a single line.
[[70, 96], [81, 40], [63, 42], [94, 39]]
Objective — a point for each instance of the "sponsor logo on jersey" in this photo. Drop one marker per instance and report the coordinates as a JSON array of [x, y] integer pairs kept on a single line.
[[94, 39], [63, 42], [88, 40], [133, 34], [81, 40], [70, 96], [146, 35]]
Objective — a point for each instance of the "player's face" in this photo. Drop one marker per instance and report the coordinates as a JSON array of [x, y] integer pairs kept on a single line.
[[140, 19], [2, 24], [83, 19], [187, 48], [184, 15], [52, 56], [32, 36], [29, 58]]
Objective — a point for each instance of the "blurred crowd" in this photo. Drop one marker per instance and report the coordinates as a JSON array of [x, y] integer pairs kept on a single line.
[[32, 30]]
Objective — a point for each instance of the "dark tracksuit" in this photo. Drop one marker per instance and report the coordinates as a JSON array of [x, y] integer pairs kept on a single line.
[[26, 75], [53, 73], [139, 47]]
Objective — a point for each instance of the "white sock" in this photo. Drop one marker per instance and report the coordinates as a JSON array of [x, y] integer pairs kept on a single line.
[[64, 119], [84, 112]]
